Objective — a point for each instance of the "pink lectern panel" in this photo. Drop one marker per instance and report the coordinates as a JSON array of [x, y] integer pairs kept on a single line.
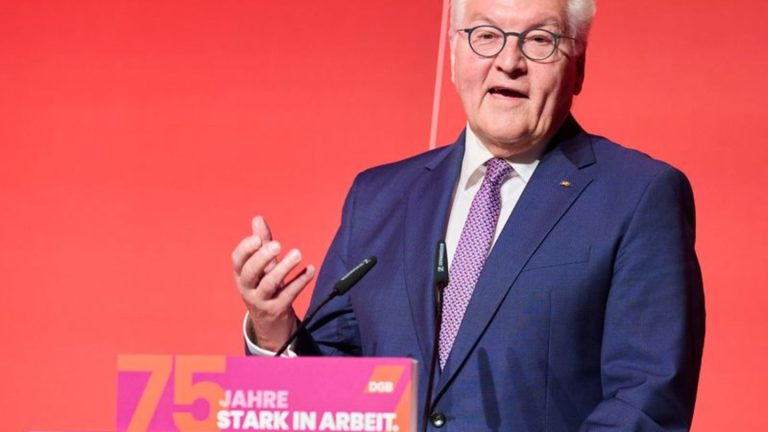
[[211, 393]]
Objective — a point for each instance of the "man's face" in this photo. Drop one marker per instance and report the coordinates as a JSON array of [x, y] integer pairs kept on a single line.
[[513, 104]]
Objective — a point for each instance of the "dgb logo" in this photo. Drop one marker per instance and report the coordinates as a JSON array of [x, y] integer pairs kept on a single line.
[[381, 387]]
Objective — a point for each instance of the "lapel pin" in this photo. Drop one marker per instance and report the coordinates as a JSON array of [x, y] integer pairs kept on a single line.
[[565, 183]]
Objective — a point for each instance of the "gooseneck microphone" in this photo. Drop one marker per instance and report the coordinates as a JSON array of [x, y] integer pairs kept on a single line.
[[441, 281], [344, 284]]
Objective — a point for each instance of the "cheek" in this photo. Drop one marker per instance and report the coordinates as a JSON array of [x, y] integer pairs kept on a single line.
[[468, 76], [554, 90], [469, 87]]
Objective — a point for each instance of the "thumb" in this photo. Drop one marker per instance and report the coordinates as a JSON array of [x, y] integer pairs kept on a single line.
[[260, 228]]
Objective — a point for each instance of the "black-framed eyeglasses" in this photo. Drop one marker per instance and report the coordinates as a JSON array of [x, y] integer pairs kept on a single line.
[[535, 44]]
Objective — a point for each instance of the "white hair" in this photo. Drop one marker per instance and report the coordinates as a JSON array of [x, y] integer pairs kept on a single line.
[[579, 12]]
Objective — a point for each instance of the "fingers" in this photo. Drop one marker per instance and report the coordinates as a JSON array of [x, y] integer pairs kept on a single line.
[[261, 229], [293, 288], [262, 272], [272, 282], [255, 266], [243, 251], [261, 279]]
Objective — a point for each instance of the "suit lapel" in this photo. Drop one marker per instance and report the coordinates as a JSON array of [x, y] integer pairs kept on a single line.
[[426, 217], [554, 186]]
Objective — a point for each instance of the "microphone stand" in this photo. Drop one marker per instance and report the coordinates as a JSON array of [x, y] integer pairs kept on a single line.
[[341, 287]]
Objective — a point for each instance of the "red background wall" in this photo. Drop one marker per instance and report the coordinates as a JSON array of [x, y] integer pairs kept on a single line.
[[139, 137]]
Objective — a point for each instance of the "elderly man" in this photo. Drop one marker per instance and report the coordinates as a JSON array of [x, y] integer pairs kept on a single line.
[[575, 299]]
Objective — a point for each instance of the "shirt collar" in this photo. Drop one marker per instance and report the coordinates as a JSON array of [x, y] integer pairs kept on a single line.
[[475, 156]]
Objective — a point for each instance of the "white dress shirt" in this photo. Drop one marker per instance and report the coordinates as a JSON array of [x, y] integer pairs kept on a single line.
[[472, 173]]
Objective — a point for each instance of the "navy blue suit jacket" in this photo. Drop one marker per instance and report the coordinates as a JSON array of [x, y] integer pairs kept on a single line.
[[588, 314]]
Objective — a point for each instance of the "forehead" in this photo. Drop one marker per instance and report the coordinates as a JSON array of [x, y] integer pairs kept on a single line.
[[516, 13]]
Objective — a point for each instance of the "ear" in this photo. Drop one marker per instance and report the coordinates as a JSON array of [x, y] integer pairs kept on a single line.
[[580, 70]]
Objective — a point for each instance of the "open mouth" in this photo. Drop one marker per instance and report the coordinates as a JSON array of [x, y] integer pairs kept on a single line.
[[506, 92]]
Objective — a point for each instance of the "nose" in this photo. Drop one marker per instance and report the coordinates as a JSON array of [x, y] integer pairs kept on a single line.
[[511, 60]]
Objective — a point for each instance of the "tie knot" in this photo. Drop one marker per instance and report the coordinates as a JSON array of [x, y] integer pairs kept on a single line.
[[496, 170]]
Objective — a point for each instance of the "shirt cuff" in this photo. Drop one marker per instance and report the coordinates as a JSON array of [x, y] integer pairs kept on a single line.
[[258, 351]]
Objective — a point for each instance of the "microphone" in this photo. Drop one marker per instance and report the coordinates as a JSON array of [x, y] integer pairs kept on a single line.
[[441, 281], [344, 284], [353, 277], [441, 267]]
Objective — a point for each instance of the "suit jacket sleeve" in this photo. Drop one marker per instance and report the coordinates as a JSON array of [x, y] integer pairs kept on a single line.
[[334, 331], [654, 318]]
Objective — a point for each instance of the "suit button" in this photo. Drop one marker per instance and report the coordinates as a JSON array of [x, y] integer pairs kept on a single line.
[[437, 419]]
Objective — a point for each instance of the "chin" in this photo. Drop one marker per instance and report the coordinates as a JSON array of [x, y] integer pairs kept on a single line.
[[506, 133]]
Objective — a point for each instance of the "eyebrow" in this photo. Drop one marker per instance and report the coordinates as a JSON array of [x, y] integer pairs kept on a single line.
[[541, 23]]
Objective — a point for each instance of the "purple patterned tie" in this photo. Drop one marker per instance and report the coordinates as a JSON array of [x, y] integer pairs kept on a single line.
[[471, 252]]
